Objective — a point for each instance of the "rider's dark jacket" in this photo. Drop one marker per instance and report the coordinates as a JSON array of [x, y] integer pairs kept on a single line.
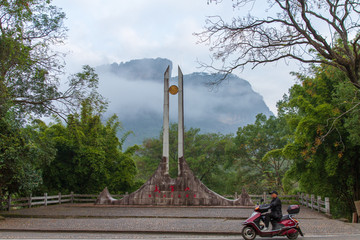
[[275, 207]]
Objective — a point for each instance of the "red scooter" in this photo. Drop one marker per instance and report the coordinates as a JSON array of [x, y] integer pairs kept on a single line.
[[288, 225]]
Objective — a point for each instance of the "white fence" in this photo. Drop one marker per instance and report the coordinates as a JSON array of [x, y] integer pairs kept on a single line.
[[301, 198], [47, 200], [315, 203]]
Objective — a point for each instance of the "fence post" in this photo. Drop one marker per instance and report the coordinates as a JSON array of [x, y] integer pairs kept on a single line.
[[307, 200], [319, 203], [264, 196], [30, 200], [236, 195], [45, 199], [354, 217], [302, 198], [9, 202], [59, 197], [72, 197], [312, 201], [327, 205]]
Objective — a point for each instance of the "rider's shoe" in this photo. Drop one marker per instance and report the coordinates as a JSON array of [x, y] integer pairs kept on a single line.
[[265, 229]]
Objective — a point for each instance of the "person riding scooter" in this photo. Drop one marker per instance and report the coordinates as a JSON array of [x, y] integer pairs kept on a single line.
[[288, 226], [276, 214]]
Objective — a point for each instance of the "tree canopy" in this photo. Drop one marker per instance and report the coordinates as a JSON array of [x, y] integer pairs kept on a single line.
[[30, 85], [89, 155], [30, 67], [325, 145], [309, 31], [21, 160], [257, 154]]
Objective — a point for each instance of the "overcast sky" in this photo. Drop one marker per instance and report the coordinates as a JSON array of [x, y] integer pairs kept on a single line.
[[107, 31]]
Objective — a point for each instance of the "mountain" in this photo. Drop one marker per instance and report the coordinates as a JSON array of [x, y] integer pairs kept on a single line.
[[142, 69], [135, 92]]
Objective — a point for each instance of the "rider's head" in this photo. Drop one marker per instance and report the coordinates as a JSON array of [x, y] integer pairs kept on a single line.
[[274, 194]]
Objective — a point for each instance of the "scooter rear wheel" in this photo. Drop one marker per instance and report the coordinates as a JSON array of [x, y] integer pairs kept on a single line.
[[292, 235], [248, 233]]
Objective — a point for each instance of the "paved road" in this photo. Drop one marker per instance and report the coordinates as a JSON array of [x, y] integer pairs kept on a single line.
[[46, 235], [91, 222]]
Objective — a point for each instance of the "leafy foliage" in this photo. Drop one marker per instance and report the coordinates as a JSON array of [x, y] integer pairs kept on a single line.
[[21, 159], [30, 86], [30, 68], [258, 156], [323, 113], [89, 155]]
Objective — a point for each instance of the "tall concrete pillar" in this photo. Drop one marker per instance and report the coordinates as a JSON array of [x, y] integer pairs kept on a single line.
[[166, 120], [180, 120]]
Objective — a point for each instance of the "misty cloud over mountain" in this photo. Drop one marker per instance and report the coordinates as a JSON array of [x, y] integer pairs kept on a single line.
[[135, 91]]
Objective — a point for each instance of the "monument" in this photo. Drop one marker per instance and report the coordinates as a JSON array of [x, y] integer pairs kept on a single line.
[[186, 189]]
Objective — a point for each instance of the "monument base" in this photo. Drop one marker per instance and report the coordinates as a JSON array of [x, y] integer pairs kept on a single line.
[[185, 190]]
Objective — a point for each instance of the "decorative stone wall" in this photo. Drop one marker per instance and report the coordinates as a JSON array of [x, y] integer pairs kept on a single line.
[[185, 190]]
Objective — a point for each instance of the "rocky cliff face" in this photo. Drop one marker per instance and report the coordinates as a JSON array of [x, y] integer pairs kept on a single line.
[[135, 92]]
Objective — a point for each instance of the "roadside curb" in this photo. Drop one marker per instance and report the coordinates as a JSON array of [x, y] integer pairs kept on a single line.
[[146, 232], [112, 217], [120, 231]]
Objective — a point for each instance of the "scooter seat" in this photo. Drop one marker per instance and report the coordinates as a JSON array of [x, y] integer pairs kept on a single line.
[[285, 217]]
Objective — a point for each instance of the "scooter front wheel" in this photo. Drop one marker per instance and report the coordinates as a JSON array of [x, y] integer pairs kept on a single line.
[[292, 235], [248, 233]]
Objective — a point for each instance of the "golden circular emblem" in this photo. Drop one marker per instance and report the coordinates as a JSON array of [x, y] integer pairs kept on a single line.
[[173, 89]]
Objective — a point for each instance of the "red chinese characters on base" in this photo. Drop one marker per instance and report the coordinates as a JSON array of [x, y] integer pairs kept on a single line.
[[156, 189], [172, 188]]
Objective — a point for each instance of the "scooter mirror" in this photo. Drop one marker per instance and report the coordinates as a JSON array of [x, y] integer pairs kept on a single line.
[[262, 200]]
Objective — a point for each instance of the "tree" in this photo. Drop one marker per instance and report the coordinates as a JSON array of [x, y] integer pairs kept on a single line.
[[309, 31], [22, 157], [30, 70], [325, 145], [30, 67], [89, 155], [207, 155], [258, 155]]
